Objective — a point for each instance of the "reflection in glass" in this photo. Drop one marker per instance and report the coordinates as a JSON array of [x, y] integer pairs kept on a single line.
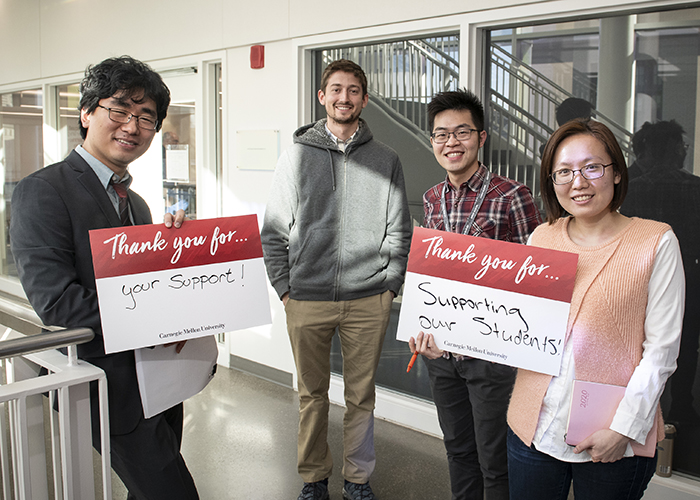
[[666, 187], [179, 160], [664, 163], [660, 189], [21, 153], [667, 80]]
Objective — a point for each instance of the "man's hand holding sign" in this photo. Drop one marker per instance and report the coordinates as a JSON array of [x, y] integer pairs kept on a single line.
[[175, 220], [213, 266], [487, 299]]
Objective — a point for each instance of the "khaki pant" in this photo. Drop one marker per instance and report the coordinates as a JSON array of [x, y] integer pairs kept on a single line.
[[361, 325]]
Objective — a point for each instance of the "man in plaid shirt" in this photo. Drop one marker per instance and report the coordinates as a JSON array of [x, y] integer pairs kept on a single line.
[[471, 395]]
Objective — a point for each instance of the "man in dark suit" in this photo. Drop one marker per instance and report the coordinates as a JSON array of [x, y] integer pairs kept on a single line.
[[122, 106]]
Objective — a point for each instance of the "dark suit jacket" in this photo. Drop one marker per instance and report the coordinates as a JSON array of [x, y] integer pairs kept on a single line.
[[52, 211]]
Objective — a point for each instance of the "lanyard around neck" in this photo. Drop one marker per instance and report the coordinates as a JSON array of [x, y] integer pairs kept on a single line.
[[475, 209]]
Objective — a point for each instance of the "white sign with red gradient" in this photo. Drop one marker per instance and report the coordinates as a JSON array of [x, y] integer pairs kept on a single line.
[[158, 285], [488, 299]]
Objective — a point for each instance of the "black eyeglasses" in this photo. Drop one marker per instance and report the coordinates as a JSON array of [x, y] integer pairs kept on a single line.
[[121, 116], [589, 172], [462, 134]]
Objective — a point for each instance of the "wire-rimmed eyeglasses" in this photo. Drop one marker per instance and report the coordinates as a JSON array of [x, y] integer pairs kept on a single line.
[[120, 116], [589, 172]]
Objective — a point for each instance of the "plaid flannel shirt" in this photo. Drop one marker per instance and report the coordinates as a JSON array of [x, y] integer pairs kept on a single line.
[[508, 213]]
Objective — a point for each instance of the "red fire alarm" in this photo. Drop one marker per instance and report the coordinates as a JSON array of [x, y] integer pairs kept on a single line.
[[257, 56]]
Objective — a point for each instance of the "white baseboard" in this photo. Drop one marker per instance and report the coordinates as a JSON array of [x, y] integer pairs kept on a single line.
[[395, 407]]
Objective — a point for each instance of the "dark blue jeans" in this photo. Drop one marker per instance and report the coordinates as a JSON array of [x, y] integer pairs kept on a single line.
[[537, 476], [472, 397]]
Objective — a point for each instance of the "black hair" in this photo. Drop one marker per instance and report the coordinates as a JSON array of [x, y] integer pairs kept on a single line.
[[460, 99], [572, 108], [128, 77], [570, 129], [660, 143]]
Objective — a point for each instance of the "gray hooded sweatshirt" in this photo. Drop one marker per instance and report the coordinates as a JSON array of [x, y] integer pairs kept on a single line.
[[337, 225]]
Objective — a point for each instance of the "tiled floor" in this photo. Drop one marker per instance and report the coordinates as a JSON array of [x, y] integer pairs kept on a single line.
[[240, 443]]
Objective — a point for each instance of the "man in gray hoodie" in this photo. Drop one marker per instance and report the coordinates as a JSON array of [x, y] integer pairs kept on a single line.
[[336, 237]]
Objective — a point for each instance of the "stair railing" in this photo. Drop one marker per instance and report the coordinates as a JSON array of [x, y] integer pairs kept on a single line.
[[28, 421]]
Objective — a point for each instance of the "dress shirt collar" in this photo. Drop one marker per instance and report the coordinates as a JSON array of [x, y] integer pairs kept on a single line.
[[340, 143], [103, 172]]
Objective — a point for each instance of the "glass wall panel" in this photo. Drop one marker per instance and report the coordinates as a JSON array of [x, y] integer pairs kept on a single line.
[[179, 160], [558, 61], [570, 61], [665, 186], [21, 153], [667, 79], [402, 77], [68, 117]]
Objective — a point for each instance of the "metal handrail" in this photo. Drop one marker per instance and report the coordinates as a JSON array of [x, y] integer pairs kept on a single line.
[[427, 52], [523, 76], [70, 456], [44, 341], [549, 90], [12, 306], [67, 428], [527, 119], [405, 74], [523, 124], [522, 105]]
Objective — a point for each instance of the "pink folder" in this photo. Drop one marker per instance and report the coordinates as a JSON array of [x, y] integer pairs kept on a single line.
[[593, 407]]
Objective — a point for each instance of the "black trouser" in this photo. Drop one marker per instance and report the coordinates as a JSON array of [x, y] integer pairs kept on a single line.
[[472, 398], [148, 459]]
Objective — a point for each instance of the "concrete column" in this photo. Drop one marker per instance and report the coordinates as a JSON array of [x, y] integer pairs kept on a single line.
[[616, 70]]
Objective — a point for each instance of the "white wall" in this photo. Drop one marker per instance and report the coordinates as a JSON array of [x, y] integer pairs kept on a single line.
[[259, 99], [45, 38], [20, 37]]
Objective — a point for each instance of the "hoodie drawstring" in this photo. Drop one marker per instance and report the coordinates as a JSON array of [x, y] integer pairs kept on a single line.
[[330, 158]]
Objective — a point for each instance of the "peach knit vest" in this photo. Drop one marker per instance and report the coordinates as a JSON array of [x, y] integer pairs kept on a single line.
[[607, 328]]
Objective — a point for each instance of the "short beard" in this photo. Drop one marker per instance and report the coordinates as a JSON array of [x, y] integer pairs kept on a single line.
[[346, 121]]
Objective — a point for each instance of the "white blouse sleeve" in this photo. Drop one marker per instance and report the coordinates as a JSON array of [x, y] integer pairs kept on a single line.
[[662, 327]]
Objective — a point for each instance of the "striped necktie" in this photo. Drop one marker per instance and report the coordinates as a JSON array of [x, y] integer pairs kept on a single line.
[[120, 189]]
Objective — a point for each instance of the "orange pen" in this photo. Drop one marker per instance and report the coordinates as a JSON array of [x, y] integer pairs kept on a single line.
[[413, 360]]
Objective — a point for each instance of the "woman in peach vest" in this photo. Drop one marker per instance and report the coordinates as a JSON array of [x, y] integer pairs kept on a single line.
[[623, 329]]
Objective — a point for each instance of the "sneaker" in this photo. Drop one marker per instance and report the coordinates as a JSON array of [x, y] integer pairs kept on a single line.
[[354, 491], [314, 491]]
